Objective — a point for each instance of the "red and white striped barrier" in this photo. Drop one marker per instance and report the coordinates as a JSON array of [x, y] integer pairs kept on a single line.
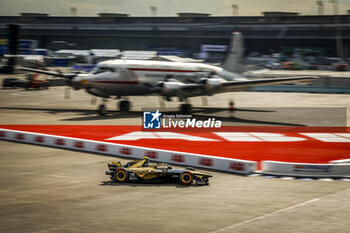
[[132, 152], [306, 169]]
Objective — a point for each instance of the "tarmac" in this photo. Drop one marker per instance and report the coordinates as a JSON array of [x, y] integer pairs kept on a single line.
[[51, 190]]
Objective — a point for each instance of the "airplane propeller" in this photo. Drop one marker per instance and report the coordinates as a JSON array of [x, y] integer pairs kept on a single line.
[[159, 87], [204, 100], [93, 100], [57, 73], [67, 93], [161, 102]]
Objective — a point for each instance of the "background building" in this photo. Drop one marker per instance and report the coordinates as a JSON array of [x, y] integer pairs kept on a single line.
[[184, 34]]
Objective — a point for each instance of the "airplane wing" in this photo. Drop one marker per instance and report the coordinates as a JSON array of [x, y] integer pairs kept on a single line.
[[266, 81], [226, 86], [48, 72]]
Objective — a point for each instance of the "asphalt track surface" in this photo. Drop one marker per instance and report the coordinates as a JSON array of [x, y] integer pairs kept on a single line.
[[50, 190]]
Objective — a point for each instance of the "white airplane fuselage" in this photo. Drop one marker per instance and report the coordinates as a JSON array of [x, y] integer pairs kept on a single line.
[[138, 77]]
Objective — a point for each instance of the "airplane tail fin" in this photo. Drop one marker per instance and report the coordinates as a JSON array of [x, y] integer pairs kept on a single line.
[[233, 60]]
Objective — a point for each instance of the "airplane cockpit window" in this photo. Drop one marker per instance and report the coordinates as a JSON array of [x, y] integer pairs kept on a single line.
[[101, 69]]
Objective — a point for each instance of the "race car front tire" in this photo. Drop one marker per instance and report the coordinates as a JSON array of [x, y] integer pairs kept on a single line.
[[186, 178]]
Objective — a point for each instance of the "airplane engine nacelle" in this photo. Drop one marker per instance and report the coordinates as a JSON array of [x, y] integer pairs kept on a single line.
[[172, 86], [214, 82], [211, 82], [169, 88]]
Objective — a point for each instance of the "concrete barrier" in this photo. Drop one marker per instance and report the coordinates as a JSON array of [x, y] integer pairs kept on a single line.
[[340, 161], [132, 152], [306, 169]]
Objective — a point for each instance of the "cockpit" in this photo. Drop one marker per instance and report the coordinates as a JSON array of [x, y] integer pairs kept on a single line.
[[103, 69]]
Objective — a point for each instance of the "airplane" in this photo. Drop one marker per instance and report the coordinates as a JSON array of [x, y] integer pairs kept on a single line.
[[122, 78]]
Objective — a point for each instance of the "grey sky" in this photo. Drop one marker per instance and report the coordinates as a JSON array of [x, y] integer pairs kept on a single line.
[[165, 7]]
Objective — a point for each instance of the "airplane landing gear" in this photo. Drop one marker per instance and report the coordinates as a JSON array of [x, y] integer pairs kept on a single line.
[[124, 105], [186, 108], [102, 110]]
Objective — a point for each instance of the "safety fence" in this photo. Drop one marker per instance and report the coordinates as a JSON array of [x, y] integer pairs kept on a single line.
[[332, 169], [132, 152]]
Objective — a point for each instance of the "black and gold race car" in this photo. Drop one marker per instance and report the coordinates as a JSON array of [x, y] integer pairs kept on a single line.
[[143, 171]]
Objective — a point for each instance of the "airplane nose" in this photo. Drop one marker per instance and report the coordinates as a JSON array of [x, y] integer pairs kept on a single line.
[[78, 82], [77, 79]]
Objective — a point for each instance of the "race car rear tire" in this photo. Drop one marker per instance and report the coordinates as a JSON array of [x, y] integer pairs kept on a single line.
[[186, 178], [120, 175]]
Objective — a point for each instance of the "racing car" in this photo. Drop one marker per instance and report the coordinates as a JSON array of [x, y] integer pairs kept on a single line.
[[144, 171]]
